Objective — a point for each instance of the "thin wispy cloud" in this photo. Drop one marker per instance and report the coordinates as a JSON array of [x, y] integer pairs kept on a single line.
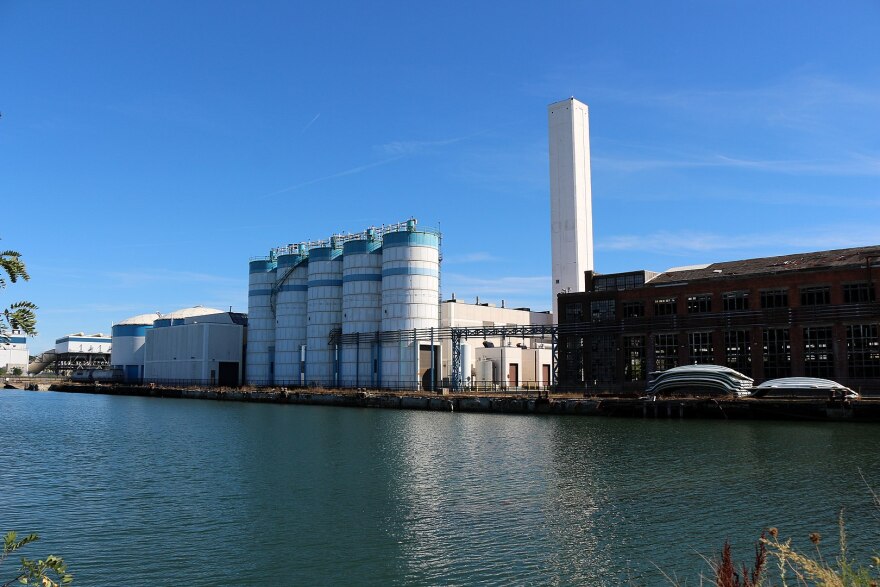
[[516, 291], [690, 243], [475, 257], [413, 147], [856, 165], [310, 123], [165, 276], [344, 173]]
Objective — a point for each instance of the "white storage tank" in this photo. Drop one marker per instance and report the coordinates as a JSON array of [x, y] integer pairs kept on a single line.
[[291, 302], [485, 374], [361, 310], [127, 347], [261, 322], [324, 313], [410, 292]]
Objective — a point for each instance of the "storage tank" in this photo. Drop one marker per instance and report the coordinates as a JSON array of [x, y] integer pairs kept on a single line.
[[361, 310], [127, 346], [410, 292], [466, 366], [324, 310], [485, 374], [291, 301], [261, 322]]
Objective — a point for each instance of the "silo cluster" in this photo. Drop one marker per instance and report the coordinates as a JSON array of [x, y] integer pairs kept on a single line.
[[348, 311]]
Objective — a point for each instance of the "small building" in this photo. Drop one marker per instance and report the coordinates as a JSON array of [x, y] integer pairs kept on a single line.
[[13, 351], [803, 315], [198, 346], [82, 351], [522, 363]]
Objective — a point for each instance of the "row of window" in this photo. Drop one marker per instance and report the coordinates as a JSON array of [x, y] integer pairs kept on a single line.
[[604, 310], [862, 352]]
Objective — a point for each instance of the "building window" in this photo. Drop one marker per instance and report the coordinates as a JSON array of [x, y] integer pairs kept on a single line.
[[633, 309], [777, 353], [618, 282], [572, 355], [818, 357], [858, 293], [735, 300], [634, 357], [700, 349], [574, 313], [774, 298], [602, 358], [699, 304], [738, 351], [602, 310], [816, 296], [862, 351], [665, 351], [664, 306]]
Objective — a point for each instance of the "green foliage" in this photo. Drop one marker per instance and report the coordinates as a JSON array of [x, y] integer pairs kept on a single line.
[[51, 572], [20, 315], [16, 371]]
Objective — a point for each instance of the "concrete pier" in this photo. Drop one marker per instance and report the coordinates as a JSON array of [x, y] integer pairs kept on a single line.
[[864, 410]]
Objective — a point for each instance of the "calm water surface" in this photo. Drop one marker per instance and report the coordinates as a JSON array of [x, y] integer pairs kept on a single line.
[[160, 491]]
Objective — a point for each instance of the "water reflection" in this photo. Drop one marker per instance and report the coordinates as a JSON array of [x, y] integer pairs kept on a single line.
[[207, 493]]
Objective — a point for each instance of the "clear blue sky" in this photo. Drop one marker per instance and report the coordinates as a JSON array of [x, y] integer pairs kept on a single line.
[[148, 149]]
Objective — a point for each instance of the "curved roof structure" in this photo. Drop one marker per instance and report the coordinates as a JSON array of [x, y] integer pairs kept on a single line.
[[701, 379], [140, 320], [190, 312]]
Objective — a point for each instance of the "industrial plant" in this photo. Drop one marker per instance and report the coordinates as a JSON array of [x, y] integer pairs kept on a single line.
[[364, 310]]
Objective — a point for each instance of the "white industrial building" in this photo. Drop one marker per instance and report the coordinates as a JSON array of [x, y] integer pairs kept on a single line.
[[571, 197], [497, 362], [196, 345], [316, 310], [14, 351], [129, 336], [200, 346], [363, 310]]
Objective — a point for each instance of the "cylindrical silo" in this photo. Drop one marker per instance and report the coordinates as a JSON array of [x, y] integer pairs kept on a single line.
[[361, 310], [410, 291], [291, 303], [324, 314], [127, 347], [261, 322]]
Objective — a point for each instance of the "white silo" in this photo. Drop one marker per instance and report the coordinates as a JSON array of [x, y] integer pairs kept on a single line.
[[361, 310], [261, 322], [410, 292], [127, 348], [291, 301], [324, 313]]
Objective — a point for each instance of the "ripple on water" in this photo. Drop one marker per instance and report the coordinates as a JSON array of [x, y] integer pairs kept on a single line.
[[207, 493]]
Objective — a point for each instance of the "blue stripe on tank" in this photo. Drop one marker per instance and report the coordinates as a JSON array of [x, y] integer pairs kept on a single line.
[[326, 282], [285, 288], [130, 329], [252, 292], [412, 239], [14, 340], [324, 254], [410, 271], [261, 266], [361, 277], [361, 246]]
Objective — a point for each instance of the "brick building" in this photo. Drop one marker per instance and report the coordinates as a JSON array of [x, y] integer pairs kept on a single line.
[[810, 314]]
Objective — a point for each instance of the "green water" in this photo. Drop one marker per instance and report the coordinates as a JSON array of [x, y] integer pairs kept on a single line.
[[141, 491]]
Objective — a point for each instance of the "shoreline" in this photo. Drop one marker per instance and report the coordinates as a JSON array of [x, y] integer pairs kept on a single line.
[[863, 410]]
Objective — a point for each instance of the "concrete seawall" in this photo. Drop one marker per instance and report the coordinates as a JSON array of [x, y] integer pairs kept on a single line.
[[723, 409]]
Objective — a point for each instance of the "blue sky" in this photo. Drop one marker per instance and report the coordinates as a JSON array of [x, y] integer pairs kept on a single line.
[[148, 149]]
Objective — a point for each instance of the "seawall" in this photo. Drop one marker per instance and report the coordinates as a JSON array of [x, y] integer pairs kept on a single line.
[[866, 410]]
